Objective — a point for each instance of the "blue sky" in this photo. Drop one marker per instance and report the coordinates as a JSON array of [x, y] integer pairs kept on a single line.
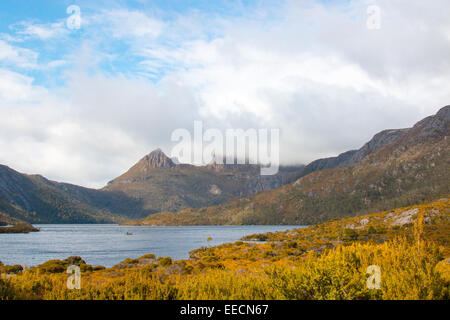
[[83, 105], [16, 18]]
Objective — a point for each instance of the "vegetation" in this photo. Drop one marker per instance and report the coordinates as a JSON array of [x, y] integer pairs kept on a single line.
[[165, 186], [395, 168], [18, 228], [327, 261], [390, 178], [35, 199]]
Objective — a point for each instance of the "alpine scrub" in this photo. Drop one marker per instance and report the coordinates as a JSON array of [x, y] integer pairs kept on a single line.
[[408, 245]]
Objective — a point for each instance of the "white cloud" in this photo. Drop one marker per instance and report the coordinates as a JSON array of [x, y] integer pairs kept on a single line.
[[17, 88], [122, 23], [314, 71], [90, 131], [27, 29], [16, 56]]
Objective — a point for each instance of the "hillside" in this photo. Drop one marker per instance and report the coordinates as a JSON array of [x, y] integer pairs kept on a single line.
[[155, 183], [398, 168], [166, 186], [34, 199], [329, 261], [395, 168]]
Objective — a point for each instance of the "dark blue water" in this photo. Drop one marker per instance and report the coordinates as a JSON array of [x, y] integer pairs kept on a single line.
[[107, 245]]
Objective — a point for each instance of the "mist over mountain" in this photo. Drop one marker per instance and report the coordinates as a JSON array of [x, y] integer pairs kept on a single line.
[[164, 185], [395, 168], [153, 184]]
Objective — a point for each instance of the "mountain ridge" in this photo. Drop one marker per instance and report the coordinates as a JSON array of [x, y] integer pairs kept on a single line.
[[410, 166], [157, 184]]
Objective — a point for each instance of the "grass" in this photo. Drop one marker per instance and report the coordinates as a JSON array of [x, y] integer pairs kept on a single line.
[[327, 261]]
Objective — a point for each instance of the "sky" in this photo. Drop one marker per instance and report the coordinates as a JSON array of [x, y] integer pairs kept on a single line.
[[82, 100]]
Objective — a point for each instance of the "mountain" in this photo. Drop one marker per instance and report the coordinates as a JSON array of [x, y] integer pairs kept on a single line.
[[164, 185], [395, 168], [353, 157], [155, 183], [35, 199]]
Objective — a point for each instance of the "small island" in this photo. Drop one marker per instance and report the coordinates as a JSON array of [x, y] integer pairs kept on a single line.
[[16, 227]]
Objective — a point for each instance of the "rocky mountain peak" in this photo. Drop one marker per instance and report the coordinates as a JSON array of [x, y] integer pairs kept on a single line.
[[156, 159]]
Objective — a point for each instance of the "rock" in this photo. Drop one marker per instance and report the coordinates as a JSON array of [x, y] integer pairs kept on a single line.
[[156, 159], [405, 217], [364, 221], [434, 212], [388, 216], [215, 190]]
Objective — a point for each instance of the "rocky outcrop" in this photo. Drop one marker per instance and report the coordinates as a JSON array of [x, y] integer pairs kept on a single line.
[[155, 159]]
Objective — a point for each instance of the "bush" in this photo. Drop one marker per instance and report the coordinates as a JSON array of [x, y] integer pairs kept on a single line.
[[98, 268], [371, 230], [11, 269], [167, 261], [131, 261], [7, 291], [86, 268], [75, 260], [53, 266], [350, 235]]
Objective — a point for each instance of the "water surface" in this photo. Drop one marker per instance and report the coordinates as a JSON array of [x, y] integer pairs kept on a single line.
[[108, 244]]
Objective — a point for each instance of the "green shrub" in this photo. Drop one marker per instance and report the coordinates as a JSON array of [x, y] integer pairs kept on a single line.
[[350, 235], [167, 261], [11, 269], [98, 268], [53, 266], [86, 268], [131, 261], [7, 291], [75, 260], [371, 230]]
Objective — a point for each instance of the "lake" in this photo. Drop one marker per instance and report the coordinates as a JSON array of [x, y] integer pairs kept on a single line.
[[108, 244]]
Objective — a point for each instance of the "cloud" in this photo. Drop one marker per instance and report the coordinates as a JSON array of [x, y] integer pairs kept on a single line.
[[311, 69], [26, 30], [91, 130], [123, 23], [16, 88], [16, 56]]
